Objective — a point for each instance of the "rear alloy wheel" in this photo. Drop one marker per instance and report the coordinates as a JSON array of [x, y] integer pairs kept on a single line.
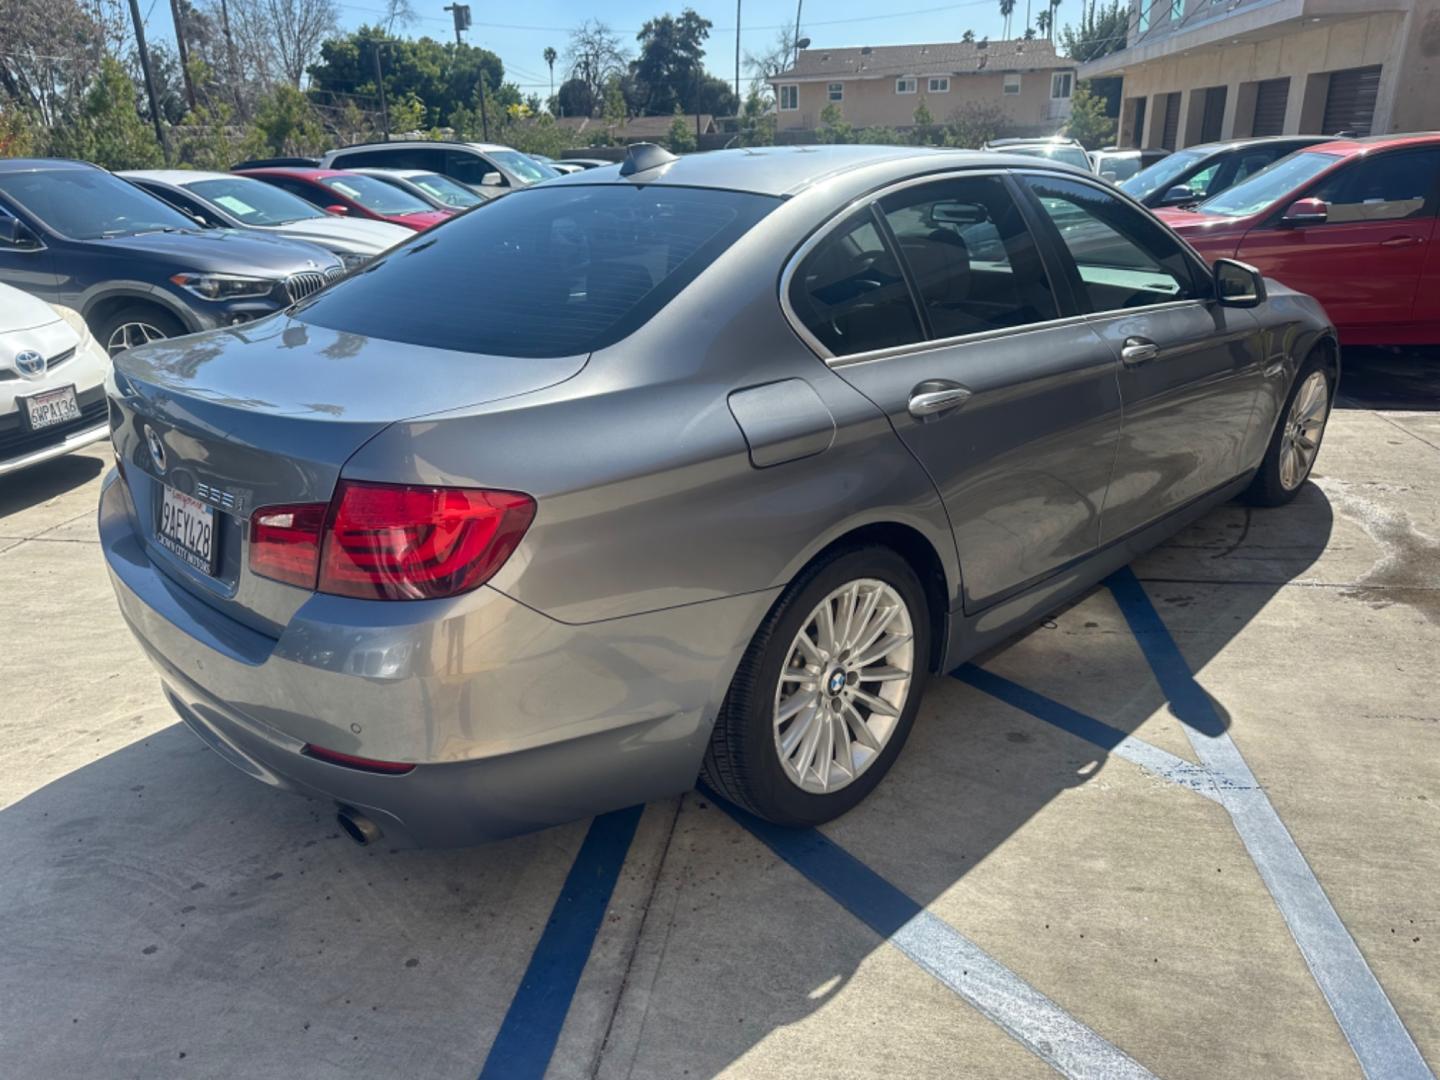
[[825, 696], [1296, 440]]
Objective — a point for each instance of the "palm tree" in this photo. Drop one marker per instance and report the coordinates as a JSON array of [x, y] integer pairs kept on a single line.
[[968, 37], [1007, 8], [1054, 23], [1042, 22], [551, 56]]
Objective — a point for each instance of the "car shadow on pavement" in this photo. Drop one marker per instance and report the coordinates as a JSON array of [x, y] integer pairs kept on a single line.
[[40, 483], [166, 913], [1405, 379]]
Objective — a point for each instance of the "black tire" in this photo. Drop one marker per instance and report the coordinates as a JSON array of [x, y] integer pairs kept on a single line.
[[1267, 489], [742, 762], [157, 318]]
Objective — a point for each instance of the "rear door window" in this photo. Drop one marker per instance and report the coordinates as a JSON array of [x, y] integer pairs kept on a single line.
[[1387, 187], [469, 168], [543, 272], [850, 293], [970, 256]]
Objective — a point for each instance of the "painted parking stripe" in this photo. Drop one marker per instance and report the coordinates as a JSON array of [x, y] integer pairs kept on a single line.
[[1158, 762], [527, 1037], [1027, 1015], [1375, 1032]]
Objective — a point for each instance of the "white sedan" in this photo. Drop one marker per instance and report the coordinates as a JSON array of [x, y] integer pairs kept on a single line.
[[52, 382]]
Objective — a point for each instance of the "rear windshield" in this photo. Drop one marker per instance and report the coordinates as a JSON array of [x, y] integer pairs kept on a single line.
[[545, 271], [375, 194], [1162, 174]]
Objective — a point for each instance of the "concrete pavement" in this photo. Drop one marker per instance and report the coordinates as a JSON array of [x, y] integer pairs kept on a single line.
[[161, 915]]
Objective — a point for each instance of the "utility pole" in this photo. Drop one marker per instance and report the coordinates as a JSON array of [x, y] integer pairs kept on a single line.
[[798, 5], [230, 53], [183, 51], [461, 14], [379, 86], [737, 57], [149, 79]]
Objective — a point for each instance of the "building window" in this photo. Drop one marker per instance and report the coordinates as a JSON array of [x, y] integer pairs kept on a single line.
[[835, 91], [1012, 82], [905, 86], [789, 97], [1143, 22], [1177, 10], [1061, 84], [940, 85]]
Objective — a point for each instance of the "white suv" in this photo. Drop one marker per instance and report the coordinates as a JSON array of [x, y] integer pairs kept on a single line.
[[480, 165]]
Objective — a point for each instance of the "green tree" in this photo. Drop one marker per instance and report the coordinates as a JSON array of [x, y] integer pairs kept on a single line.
[[1007, 9], [968, 37], [668, 72], [286, 124], [975, 122], [205, 139], [407, 114], [757, 121], [616, 111], [1101, 32], [681, 137], [21, 135], [834, 128], [550, 56], [1088, 122], [107, 129]]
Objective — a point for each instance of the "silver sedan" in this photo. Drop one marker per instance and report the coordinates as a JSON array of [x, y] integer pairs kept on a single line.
[[693, 468]]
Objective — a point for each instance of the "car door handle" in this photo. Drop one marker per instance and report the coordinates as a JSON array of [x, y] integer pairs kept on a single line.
[[936, 396], [1402, 241], [1138, 350]]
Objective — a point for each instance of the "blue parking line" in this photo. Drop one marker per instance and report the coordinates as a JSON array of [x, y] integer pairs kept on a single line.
[[1027, 1015], [1158, 762], [523, 1047], [1369, 1022]]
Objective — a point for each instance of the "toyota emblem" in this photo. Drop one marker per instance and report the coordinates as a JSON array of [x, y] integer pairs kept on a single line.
[[30, 364], [157, 449]]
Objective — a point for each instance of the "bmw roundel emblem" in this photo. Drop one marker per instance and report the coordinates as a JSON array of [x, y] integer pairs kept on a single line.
[[837, 682], [156, 447], [30, 364]]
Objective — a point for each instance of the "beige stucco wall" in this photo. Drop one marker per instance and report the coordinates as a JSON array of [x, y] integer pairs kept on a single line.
[[874, 102], [1408, 99]]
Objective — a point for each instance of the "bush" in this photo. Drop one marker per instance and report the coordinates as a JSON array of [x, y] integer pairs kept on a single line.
[[1088, 122], [681, 137], [974, 123], [108, 130]]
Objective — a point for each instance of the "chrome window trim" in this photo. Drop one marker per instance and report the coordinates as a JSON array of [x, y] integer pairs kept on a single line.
[[787, 275]]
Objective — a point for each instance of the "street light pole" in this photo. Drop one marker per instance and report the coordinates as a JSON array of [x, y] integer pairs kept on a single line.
[[461, 14], [737, 56], [379, 87]]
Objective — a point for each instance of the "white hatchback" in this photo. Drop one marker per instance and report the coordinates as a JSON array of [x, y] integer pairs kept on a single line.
[[52, 381]]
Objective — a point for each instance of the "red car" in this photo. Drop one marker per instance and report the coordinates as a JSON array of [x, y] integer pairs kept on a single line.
[[1350, 222], [350, 193]]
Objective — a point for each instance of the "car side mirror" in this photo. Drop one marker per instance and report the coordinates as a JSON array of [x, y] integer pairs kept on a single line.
[[1108, 175], [1178, 195], [337, 210], [16, 234], [1238, 284], [1304, 212], [490, 179]]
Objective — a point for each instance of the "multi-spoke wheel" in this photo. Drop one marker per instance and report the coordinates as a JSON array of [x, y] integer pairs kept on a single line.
[[1296, 441], [131, 327], [844, 685], [825, 696]]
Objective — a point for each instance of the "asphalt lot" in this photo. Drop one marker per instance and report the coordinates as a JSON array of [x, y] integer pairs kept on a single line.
[[1186, 828]]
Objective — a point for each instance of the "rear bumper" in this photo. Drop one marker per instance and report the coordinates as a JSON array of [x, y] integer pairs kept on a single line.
[[514, 721]]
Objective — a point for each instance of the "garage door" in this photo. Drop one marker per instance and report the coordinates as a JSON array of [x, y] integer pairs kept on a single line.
[[1270, 98], [1213, 118], [1350, 101], [1172, 121]]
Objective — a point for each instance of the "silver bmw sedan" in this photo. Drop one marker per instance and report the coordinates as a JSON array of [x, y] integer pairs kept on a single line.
[[696, 468]]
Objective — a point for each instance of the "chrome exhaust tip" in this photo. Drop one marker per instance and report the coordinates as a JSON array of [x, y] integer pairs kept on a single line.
[[357, 826]]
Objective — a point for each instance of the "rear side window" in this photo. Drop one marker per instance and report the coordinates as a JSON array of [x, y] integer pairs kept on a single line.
[[850, 294], [1388, 187], [542, 272]]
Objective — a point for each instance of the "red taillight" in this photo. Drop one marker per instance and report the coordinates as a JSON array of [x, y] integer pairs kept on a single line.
[[390, 541], [285, 542], [350, 761], [395, 542]]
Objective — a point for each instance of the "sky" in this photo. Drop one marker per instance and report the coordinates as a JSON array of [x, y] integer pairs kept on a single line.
[[519, 32]]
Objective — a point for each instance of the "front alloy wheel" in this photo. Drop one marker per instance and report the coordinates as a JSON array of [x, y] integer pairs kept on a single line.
[[1303, 427]]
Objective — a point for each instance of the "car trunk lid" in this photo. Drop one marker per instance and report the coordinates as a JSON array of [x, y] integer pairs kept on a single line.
[[268, 414]]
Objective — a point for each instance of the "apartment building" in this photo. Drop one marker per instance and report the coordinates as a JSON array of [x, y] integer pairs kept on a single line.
[[882, 85], [1200, 70]]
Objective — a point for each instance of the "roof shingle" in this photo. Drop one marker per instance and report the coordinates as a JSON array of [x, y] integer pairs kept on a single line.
[[942, 58]]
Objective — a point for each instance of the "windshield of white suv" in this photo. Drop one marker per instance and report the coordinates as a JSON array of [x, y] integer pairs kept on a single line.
[[1162, 175], [1066, 155], [254, 202], [1269, 185], [1117, 167], [450, 192], [545, 271], [91, 204], [523, 165]]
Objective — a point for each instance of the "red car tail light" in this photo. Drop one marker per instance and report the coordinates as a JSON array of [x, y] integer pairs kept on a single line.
[[397, 542], [285, 542], [350, 761]]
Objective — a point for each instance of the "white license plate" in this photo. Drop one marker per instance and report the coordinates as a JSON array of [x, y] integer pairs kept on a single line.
[[51, 408], [186, 527]]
